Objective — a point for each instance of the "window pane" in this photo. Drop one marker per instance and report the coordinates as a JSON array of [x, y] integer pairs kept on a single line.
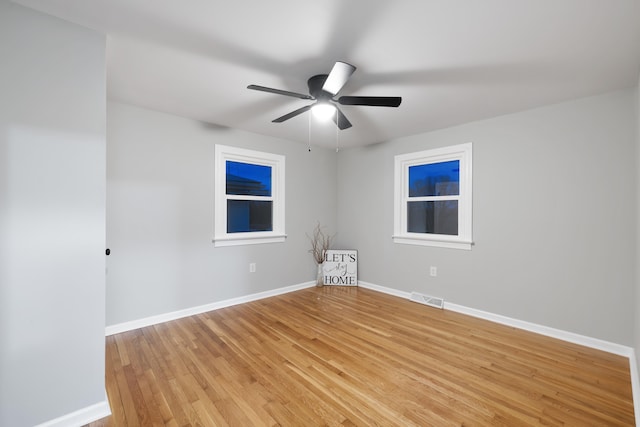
[[248, 179], [439, 217], [244, 216], [435, 179]]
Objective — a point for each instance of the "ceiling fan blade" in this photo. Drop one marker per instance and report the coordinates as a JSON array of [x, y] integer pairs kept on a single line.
[[279, 92], [338, 76], [341, 120], [292, 114], [374, 101]]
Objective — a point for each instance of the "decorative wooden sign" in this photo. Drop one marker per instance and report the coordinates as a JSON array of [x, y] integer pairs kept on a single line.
[[340, 267]]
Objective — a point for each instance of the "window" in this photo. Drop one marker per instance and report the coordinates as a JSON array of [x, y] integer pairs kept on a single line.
[[433, 197], [249, 197]]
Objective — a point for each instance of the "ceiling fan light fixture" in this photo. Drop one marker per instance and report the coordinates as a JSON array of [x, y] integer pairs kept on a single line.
[[323, 110]]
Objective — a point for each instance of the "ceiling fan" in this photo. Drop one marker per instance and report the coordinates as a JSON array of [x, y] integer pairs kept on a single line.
[[323, 88]]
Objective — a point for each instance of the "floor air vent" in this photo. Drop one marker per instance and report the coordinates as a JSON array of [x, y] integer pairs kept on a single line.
[[427, 300]]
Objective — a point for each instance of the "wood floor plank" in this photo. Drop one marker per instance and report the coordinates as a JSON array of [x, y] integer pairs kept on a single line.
[[339, 356]]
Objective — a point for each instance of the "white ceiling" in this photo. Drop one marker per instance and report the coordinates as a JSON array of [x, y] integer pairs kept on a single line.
[[451, 61]]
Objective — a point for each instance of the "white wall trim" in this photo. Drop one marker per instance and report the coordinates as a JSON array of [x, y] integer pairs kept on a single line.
[[571, 337], [595, 343], [82, 416], [635, 385], [276, 162], [463, 153], [385, 290], [166, 317], [586, 341]]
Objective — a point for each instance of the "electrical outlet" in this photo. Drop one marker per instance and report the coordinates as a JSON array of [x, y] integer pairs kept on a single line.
[[252, 267], [433, 271]]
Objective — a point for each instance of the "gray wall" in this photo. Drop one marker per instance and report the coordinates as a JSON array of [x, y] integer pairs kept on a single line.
[[554, 220], [637, 254], [52, 204], [160, 212], [554, 217]]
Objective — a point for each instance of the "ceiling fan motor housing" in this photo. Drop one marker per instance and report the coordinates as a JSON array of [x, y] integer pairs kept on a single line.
[[315, 84]]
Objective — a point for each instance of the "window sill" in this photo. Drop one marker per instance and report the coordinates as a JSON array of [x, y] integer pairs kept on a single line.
[[248, 240], [434, 242]]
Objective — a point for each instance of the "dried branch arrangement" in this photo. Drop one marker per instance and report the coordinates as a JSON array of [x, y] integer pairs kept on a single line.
[[320, 243]]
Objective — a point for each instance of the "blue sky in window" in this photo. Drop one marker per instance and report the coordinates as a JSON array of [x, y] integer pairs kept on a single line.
[[435, 179], [248, 179]]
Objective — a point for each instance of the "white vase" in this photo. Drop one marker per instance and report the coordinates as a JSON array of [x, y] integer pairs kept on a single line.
[[320, 276]]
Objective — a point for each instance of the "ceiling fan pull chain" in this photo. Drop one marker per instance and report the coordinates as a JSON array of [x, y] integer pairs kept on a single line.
[[309, 143], [337, 133]]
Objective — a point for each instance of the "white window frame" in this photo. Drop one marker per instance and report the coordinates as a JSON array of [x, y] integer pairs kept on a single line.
[[224, 153], [461, 152]]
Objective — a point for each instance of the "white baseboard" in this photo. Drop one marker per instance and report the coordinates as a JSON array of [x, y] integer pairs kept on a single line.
[[635, 385], [586, 341], [385, 290], [81, 417], [166, 317], [571, 337]]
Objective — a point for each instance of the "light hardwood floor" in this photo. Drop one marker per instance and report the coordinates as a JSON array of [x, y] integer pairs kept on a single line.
[[351, 356]]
